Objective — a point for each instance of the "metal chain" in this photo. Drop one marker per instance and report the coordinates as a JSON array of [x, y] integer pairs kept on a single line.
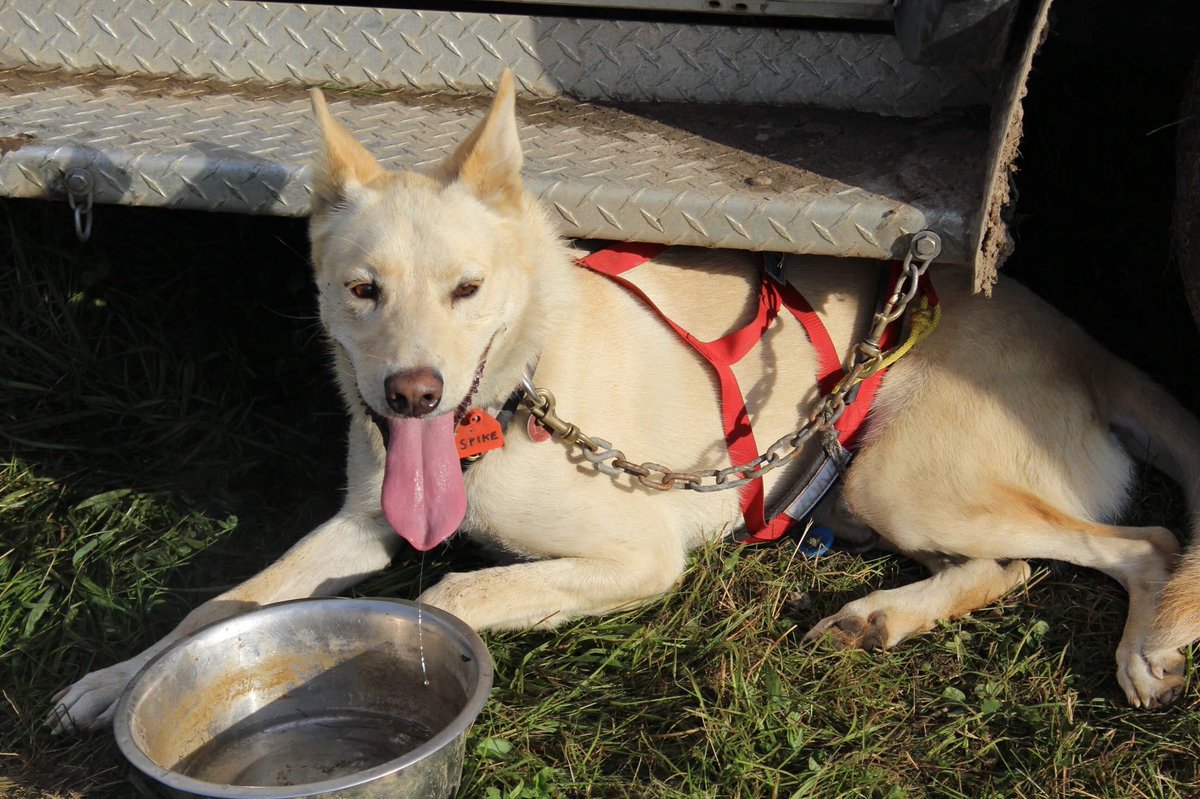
[[923, 248]]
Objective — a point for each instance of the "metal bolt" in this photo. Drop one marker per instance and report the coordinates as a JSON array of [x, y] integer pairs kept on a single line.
[[79, 181], [927, 244]]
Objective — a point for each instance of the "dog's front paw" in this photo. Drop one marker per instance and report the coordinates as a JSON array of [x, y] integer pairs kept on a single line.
[[89, 703], [1152, 680], [452, 594]]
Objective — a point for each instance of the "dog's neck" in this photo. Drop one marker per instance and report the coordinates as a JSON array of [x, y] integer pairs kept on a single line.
[[552, 299]]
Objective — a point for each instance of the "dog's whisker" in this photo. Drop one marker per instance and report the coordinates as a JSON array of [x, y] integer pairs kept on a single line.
[[357, 245]]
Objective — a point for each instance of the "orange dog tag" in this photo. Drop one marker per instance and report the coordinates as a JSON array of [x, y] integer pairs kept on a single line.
[[477, 433]]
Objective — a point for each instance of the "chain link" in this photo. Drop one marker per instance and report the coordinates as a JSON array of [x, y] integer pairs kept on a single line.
[[923, 248]]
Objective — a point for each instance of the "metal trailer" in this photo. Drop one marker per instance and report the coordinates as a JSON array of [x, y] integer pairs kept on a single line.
[[835, 127]]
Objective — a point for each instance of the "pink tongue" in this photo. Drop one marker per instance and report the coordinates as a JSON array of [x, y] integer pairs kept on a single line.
[[423, 495]]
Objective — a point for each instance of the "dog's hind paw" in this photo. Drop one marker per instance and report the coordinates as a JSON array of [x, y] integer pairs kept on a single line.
[[89, 703], [849, 630], [1150, 681]]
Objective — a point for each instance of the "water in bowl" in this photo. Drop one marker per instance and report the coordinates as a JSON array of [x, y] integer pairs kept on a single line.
[[301, 748]]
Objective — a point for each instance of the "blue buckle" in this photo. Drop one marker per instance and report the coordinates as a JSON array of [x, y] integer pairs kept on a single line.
[[816, 542]]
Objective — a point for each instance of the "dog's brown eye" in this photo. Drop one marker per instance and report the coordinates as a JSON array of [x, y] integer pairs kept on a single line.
[[365, 290], [467, 289]]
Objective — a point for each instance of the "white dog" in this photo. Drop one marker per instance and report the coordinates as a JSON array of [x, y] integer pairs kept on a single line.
[[993, 441]]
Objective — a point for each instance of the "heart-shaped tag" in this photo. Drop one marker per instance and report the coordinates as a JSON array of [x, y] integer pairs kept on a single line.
[[477, 433], [537, 433]]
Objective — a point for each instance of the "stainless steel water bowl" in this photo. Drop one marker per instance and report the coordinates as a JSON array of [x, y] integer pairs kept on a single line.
[[312, 698]]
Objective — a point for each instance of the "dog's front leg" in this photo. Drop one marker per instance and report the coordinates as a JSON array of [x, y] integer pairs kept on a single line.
[[549, 592], [333, 557]]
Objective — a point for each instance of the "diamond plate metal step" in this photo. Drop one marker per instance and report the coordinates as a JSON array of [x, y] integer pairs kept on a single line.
[[787, 139], [390, 48], [752, 177], [832, 9]]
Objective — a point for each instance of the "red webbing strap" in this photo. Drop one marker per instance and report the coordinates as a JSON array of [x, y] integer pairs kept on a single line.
[[850, 424], [621, 258], [728, 350], [829, 366], [722, 354]]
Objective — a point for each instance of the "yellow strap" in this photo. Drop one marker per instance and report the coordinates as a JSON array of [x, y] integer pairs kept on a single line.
[[925, 320]]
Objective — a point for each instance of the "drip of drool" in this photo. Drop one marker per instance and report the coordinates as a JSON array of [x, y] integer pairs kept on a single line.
[[420, 621]]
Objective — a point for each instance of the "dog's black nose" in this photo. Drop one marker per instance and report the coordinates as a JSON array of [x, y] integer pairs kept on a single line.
[[413, 392]]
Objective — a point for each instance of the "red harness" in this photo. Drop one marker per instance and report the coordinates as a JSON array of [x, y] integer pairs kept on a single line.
[[724, 352]]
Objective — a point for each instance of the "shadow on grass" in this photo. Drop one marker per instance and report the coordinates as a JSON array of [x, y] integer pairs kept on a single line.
[[165, 401]]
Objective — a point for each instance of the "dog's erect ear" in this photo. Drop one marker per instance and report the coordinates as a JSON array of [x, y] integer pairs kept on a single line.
[[489, 161], [344, 163]]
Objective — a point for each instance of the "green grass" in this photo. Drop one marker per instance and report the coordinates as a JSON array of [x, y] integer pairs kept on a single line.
[[162, 402], [167, 426]]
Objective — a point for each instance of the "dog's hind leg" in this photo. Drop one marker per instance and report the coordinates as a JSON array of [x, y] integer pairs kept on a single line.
[[883, 619], [1150, 677], [1139, 558], [1019, 524]]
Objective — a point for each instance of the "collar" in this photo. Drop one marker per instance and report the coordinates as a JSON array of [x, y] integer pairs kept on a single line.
[[505, 414], [509, 409]]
